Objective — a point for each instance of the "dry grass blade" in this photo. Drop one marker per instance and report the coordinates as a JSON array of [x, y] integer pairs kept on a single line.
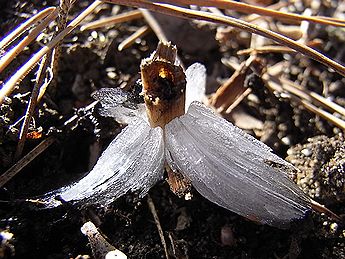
[[276, 49], [24, 26], [39, 87], [238, 100], [246, 8], [6, 59], [131, 39], [158, 224], [110, 21], [242, 25], [64, 7], [157, 29], [311, 96], [183, 12], [152, 22], [277, 84], [265, 49], [326, 115], [15, 169], [26, 68], [331, 19]]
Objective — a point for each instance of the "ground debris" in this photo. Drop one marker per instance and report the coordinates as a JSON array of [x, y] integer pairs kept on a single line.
[[322, 167]]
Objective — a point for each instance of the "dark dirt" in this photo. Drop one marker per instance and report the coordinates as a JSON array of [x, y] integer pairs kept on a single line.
[[196, 228]]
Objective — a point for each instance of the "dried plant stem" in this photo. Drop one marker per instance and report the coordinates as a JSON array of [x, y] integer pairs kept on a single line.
[[162, 108], [13, 171], [157, 29], [26, 68], [183, 12], [276, 84], [110, 21], [331, 19], [266, 49], [24, 26], [299, 95], [131, 39], [276, 49], [322, 209], [9, 56], [32, 104], [64, 7], [311, 96], [238, 100], [326, 115], [246, 8], [158, 224], [242, 25], [154, 25]]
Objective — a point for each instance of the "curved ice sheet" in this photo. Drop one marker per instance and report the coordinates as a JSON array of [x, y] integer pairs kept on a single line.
[[133, 161], [231, 169]]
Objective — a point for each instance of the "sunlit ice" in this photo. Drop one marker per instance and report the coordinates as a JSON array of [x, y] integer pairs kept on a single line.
[[173, 130]]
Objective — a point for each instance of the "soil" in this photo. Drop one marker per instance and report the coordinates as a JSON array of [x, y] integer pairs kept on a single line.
[[193, 228]]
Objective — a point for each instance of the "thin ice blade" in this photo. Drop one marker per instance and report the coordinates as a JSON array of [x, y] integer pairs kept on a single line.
[[119, 104], [233, 169], [132, 162], [111, 97], [196, 83]]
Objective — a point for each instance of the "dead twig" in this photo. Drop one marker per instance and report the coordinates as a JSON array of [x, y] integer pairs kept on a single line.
[[31, 106], [15, 169], [158, 224], [101, 248]]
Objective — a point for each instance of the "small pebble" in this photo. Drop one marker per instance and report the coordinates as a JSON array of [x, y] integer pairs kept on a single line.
[[94, 34], [333, 227], [307, 152], [286, 141]]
